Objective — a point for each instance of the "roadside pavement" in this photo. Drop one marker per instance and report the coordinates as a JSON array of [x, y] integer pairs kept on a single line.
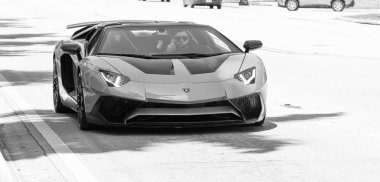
[[20, 141], [372, 18]]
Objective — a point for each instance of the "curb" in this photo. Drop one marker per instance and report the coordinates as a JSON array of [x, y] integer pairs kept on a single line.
[[7, 172], [361, 21]]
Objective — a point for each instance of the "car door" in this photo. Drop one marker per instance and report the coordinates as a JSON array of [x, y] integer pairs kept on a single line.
[[311, 3]]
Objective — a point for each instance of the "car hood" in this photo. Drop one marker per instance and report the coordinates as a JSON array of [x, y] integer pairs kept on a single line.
[[207, 69]]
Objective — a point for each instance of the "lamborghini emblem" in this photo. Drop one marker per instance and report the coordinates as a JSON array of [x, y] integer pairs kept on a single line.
[[186, 90]]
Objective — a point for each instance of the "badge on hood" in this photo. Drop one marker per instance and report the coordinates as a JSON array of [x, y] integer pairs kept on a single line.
[[186, 90]]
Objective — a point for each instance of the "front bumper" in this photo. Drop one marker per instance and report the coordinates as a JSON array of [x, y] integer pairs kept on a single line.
[[156, 104], [117, 111]]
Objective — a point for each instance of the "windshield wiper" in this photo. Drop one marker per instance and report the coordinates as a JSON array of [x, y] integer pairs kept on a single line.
[[131, 55], [191, 55]]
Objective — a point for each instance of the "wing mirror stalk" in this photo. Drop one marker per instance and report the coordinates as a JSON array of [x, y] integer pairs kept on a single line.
[[251, 45]]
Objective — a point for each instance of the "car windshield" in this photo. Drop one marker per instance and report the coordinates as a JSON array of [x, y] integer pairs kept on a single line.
[[165, 42]]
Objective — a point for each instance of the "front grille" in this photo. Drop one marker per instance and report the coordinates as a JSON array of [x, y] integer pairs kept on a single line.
[[250, 106], [166, 105], [186, 118], [115, 110]]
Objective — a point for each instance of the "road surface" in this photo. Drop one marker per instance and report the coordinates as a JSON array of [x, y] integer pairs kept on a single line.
[[323, 101]]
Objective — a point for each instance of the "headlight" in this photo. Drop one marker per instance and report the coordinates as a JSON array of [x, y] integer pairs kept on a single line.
[[247, 76], [114, 79]]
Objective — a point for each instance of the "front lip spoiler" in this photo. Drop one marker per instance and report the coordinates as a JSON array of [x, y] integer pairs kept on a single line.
[[181, 112], [181, 124]]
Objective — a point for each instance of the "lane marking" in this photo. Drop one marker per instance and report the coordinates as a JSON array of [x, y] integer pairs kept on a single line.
[[29, 115]]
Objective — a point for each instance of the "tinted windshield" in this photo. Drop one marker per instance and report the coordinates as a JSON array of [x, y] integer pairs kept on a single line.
[[165, 41]]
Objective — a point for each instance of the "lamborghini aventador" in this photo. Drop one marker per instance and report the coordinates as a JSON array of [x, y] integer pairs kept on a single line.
[[157, 74]]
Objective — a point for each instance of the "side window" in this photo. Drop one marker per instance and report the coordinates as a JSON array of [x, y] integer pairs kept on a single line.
[[92, 43], [219, 43], [116, 41]]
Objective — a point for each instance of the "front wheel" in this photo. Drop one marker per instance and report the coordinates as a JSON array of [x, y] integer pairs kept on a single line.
[[192, 6], [219, 6], [292, 5], [337, 5], [58, 105], [82, 120]]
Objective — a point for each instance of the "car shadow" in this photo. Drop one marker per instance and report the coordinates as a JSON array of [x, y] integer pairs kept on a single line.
[[12, 53], [26, 35], [245, 139], [302, 117], [18, 44], [12, 23], [26, 43], [17, 78], [139, 139]]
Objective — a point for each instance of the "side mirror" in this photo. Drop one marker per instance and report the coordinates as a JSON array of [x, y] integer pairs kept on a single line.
[[71, 48], [252, 44]]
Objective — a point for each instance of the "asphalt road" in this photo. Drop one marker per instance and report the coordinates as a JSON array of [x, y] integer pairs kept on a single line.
[[323, 101]]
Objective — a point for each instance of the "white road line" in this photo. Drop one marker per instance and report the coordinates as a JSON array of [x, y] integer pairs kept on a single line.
[[72, 163]]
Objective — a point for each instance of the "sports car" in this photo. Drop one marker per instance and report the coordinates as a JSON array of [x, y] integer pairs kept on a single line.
[[136, 74], [336, 5]]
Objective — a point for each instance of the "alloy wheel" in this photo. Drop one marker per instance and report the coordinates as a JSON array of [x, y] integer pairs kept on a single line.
[[338, 5], [82, 120], [292, 5], [55, 88], [58, 105]]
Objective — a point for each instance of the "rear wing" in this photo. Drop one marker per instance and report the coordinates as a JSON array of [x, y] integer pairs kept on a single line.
[[86, 24]]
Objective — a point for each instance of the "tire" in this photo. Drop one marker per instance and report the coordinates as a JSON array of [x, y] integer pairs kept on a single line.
[[167, 0], [219, 6], [292, 5], [185, 5], [211, 7], [82, 120], [192, 6], [337, 5], [58, 105]]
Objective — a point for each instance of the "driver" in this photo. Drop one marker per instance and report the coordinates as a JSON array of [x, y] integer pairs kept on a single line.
[[180, 43]]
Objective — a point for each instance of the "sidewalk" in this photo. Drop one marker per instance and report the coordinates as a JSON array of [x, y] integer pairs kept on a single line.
[[25, 154], [372, 19]]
